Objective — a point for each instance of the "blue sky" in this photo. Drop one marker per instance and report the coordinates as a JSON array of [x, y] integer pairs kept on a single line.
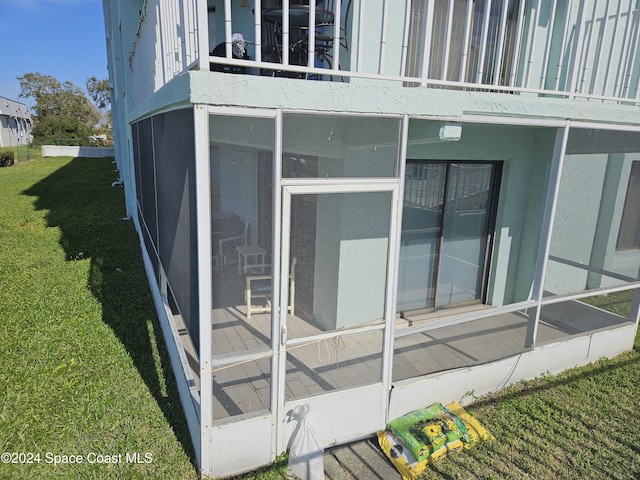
[[61, 38]]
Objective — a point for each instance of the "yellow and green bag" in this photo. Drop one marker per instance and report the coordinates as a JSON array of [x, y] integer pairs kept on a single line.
[[418, 438]]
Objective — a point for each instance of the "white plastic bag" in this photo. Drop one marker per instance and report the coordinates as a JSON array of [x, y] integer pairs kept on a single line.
[[306, 453]]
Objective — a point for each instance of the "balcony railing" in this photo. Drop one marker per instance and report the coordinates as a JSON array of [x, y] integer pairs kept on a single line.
[[165, 44], [567, 48]]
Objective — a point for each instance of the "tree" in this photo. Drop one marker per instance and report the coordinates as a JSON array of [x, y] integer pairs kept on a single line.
[[61, 110], [99, 92]]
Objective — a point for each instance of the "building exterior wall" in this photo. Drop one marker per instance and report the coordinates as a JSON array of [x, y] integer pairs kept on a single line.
[[15, 123], [7, 131], [561, 198]]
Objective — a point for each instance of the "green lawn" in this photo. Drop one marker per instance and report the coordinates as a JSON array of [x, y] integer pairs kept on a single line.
[[83, 370], [582, 424]]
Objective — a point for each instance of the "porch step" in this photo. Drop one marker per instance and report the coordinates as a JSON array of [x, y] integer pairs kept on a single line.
[[358, 461]]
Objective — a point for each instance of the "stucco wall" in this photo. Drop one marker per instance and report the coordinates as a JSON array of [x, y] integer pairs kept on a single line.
[[526, 155], [588, 215], [7, 131]]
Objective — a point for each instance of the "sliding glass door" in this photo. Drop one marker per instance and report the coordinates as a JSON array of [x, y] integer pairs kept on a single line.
[[420, 240], [447, 226]]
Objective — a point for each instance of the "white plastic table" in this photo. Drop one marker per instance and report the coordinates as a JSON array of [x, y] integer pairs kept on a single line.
[[249, 252]]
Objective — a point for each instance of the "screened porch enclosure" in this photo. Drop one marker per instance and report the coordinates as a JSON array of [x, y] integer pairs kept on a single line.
[[319, 368], [307, 246], [316, 288], [301, 299], [308, 219]]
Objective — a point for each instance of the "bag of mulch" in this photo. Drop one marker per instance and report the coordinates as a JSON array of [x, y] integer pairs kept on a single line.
[[419, 438], [305, 454]]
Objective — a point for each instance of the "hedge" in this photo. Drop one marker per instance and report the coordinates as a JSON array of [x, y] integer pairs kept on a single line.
[[6, 159]]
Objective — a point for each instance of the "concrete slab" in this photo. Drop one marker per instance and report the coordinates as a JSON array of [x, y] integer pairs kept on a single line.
[[358, 461]]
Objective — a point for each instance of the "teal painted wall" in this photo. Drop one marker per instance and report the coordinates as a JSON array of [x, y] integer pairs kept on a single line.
[[588, 216], [526, 154]]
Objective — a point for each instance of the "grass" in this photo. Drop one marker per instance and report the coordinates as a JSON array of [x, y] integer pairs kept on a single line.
[[22, 153], [582, 424], [83, 370]]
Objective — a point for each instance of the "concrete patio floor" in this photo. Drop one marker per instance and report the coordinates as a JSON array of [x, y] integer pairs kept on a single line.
[[320, 368]]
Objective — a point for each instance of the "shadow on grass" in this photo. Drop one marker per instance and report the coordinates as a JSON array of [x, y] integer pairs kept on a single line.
[[89, 213]]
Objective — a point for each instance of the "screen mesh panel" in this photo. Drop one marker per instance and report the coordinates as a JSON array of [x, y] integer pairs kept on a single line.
[[147, 177], [173, 142]]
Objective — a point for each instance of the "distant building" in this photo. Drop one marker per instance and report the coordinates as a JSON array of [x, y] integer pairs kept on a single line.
[[15, 123], [373, 206]]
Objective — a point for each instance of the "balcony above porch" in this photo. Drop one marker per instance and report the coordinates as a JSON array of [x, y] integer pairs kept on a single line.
[[561, 48]]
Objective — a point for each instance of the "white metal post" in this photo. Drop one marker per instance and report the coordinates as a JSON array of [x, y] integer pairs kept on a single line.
[[227, 29], [173, 60], [466, 47], [360, 46], [587, 53], [546, 231], [278, 318], [337, 32], [203, 222], [574, 67], [447, 41], [632, 59], [518, 45], [483, 41], [565, 31], [383, 36], [426, 54], [185, 12], [285, 32], [611, 50], [532, 47], [198, 49], [258, 29], [312, 34], [547, 47], [596, 61], [405, 37], [621, 66], [174, 26], [394, 263], [501, 42], [280, 339]]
